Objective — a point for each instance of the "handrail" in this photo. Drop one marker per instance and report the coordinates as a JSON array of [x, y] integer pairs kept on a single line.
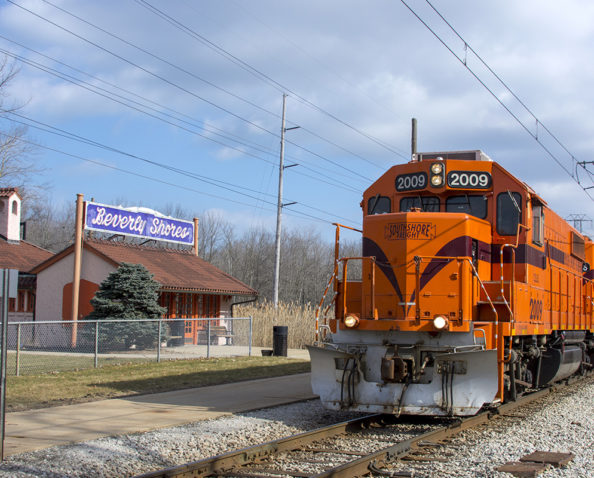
[[319, 306], [498, 326], [512, 282], [474, 273], [344, 283], [334, 276]]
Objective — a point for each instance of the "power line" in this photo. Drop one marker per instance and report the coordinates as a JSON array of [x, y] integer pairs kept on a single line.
[[208, 180], [295, 213], [260, 75], [209, 83], [518, 120], [181, 88], [105, 93]]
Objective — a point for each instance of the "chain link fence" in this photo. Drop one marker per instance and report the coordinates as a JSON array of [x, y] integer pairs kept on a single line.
[[56, 346]]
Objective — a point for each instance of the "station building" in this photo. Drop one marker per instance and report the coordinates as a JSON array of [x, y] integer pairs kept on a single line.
[[190, 287], [16, 253]]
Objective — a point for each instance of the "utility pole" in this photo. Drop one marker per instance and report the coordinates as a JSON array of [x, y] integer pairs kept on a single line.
[[280, 204], [578, 220]]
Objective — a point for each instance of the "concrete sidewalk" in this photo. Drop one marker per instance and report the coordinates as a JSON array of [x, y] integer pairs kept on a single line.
[[42, 428]]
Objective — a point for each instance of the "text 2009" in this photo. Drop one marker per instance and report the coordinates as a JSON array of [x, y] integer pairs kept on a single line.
[[469, 180]]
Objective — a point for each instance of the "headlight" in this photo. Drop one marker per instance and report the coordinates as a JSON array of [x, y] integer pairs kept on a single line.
[[436, 168], [351, 321], [436, 181], [440, 322]]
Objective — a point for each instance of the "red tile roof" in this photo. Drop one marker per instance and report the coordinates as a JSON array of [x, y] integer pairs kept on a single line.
[[6, 192], [23, 255], [173, 269]]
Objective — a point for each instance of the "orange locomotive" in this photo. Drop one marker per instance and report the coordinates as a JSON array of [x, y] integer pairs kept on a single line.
[[472, 292]]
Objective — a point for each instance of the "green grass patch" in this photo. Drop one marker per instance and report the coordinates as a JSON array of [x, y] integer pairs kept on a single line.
[[112, 381], [37, 363]]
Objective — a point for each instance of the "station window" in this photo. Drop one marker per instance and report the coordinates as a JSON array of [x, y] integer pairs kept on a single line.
[[537, 224], [379, 205], [475, 205], [21, 297], [509, 213], [424, 203]]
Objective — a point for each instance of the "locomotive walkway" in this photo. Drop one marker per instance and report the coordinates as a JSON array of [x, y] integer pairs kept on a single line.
[[35, 429]]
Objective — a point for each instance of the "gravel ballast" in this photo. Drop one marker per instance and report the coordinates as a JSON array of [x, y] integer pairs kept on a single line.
[[562, 422]]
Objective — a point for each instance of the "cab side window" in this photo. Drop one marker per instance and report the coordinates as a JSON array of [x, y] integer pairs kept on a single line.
[[509, 213], [379, 205], [537, 224]]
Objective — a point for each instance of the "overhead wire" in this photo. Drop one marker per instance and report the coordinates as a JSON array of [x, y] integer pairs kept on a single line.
[[122, 100], [181, 88], [538, 121], [511, 113], [262, 76], [209, 83], [208, 180], [292, 212]]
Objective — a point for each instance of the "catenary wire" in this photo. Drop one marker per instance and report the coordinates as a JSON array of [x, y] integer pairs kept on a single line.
[[538, 121]]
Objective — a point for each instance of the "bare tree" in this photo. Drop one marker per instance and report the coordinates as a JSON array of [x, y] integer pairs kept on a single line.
[[49, 226], [16, 154], [215, 231]]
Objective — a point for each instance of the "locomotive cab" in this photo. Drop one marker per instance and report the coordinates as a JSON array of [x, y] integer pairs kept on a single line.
[[449, 311]]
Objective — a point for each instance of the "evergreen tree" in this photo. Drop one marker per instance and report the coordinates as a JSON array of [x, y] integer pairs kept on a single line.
[[130, 292]]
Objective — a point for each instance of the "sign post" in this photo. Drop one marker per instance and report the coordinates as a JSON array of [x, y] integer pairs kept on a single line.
[[8, 287]]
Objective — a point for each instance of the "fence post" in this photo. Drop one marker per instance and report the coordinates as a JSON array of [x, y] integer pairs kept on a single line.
[[17, 372], [208, 338], [250, 338], [159, 341], [96, 343]]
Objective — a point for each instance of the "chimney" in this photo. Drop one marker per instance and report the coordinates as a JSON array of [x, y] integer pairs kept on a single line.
[[10, 214]]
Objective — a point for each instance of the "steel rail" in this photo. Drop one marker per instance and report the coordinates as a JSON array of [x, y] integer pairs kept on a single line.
[[227, 461], [224, 464], [361, 466]]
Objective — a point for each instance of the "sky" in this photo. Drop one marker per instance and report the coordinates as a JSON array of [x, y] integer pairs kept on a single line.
[[178, 103]]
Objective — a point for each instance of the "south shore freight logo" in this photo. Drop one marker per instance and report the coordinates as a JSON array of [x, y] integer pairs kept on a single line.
[[409, 230]]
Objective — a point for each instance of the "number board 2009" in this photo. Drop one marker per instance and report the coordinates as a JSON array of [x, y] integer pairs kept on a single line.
[[411, 181], [469, 179]]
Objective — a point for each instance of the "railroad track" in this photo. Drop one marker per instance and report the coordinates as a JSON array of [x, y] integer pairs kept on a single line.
[[349, 449]]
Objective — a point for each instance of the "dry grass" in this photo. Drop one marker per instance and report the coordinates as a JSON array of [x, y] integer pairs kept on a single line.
[[299, 318]]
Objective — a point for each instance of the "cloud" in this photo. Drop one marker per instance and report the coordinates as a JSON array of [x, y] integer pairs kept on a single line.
[[370, 64]]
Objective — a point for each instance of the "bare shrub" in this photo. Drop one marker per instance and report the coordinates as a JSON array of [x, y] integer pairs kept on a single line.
[[298, 318]]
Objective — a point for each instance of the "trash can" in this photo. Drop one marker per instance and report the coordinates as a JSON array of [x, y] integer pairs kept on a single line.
[[280, 334]]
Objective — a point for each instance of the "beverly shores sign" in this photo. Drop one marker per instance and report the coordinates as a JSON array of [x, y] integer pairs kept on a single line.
[[138, 222]]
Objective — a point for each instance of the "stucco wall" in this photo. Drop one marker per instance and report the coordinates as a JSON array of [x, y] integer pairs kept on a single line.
[[51, 282], [10, 223]]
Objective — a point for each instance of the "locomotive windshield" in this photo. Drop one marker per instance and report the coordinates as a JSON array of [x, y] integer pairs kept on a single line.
[[476, 205], [379, 205], [426, 203]]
